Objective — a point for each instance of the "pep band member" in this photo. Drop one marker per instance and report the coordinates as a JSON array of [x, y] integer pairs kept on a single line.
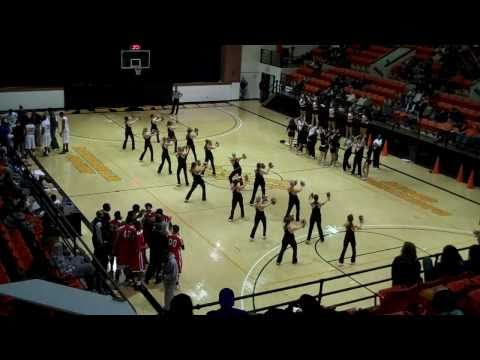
[[191, 134], [289, 229], [237, 197], [128, 131], [293, 200], [260, 171], [147, 136], [182, 154], [197, 170], [165, 156], [261, 202], [209, 154]]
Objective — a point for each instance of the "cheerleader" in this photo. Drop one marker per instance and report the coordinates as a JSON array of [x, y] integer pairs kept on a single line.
[[349, 127], [316, 216], [302, 102], [358, 146], [323, 145], [147, 136], [30, 137], [191, 134], [289, 229], [182, 154], [237, 197], [128, 131], [348, 152], [293, 200], [197, 170], [46, 135], [349, 239], [209, 154], [331, 116], [154, 120], [299, 122], [176, 245], [65, 132], [260, 171], [303, 137], [237, 169], [171, 133], [334, 146], [366, 164], [291, 128], [165, 156], [261, 202], [315, 111], [312, 140], [364, 124]]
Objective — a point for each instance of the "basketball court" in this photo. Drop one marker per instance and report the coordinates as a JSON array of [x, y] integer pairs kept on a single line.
[[400, 202]]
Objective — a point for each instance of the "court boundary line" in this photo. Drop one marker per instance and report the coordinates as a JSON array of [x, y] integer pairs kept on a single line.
[[382, 164]]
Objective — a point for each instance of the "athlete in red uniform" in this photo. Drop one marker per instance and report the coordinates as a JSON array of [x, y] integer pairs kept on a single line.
[[176, 246]]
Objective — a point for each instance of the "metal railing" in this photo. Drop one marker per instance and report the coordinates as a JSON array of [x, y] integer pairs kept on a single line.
[[321, 285]]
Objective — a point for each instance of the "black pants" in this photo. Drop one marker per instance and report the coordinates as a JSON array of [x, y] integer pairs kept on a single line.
[[148, 145], [259, 217], [175, 105], [158, 257], [346, 157], [311, 146], [209, 157], [197, 182], [357, 163], [192, 148], [237, 199], [376, 158], [175, 142], [54, 143], [293, 201], [128, 134], [257, 183], [179, 169], [155, 128], [315, 220], [237, 171], [165, 156], [345, 246], [101, 254], [285, 243]]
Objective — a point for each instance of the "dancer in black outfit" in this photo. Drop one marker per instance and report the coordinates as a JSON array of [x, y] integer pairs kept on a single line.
[[197, 170], [334, 146], [182, 154], [312, 140], [128, 132], [323, 145], [261, 202], [209, 154], [165, 156], [347, 153], [367, 162], [302, 138], [191, 134], [237, 197], [358, 151], [293, 200], [291, 128], [237, 169], [147, 136], [289, 228], [171, 133], [259, 179], [154, 120], [316, 216], [350, 228]]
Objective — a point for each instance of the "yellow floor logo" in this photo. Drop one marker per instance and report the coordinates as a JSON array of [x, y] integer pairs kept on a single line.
[[96, 164]]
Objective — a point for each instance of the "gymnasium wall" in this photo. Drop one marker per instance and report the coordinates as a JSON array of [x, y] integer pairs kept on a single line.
[[32, 99], [209, 92]]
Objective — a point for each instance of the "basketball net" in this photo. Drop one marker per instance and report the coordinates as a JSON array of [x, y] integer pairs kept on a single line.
[[138, 70]]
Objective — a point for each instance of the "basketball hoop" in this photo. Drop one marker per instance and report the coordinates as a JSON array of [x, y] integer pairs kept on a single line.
[[138, 70]]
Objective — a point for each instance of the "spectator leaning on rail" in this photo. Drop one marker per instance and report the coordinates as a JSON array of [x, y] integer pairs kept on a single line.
[[226, 298], [450, 264], [406, 267]]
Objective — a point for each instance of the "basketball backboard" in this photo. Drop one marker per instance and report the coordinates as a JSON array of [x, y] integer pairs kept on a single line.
[[135, 59]]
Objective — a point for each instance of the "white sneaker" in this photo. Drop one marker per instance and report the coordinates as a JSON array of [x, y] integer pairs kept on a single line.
[[251, 239], [230, 220]]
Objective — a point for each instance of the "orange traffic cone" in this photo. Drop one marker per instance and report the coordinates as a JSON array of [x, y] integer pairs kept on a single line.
[[471, 183], [460, 176], [385, 149], [369, 143], [436, 168]]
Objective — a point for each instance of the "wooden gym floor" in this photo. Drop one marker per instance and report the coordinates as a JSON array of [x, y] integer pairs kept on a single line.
[[218, 254]]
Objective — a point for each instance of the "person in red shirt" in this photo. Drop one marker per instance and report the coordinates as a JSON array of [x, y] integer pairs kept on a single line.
[[122, 249], [176, 246], [114, 226], [136, 253]]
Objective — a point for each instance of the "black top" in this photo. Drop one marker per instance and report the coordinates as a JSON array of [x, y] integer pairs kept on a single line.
[[287, 235], [128, 128], [349, 234], [171, 133], [165, 149], [259, 175], [236, 164], [316, 210], [208, 152], [189, 140], [405, 272]]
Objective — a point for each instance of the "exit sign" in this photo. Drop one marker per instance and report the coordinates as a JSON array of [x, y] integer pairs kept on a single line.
[[135, 47]]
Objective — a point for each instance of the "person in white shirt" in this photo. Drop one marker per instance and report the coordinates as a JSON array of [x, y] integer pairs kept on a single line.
[[29, 137], [65, 132], [377, 147], [315, 111], [302, 102], [46, 135]]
